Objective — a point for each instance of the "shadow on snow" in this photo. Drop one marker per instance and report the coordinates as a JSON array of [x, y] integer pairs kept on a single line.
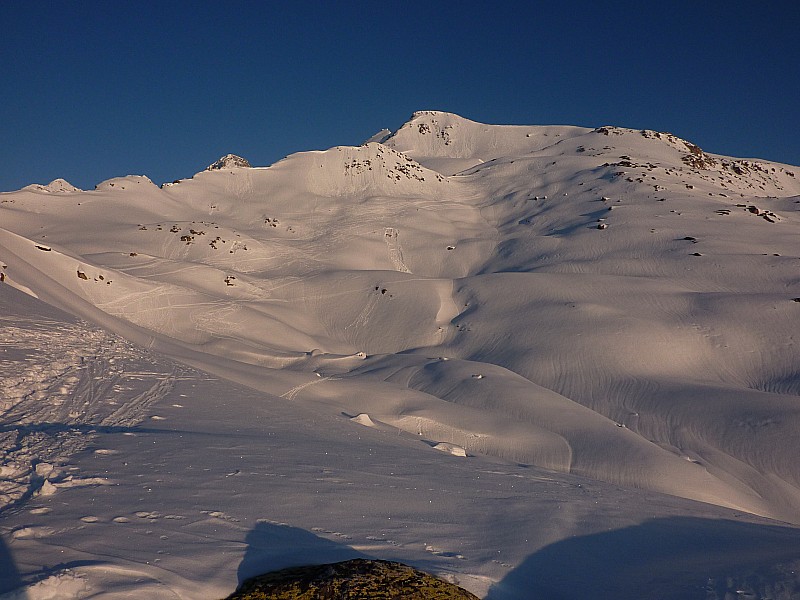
[[679, 558], [274, 546]]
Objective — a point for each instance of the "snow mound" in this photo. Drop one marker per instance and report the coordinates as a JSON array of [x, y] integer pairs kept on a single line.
[[65, 584], [363, 419], [129, 182], [449, 448], [55, 186]]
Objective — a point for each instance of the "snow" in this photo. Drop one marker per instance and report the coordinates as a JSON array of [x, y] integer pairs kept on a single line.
[[424, 349], [57, 185]]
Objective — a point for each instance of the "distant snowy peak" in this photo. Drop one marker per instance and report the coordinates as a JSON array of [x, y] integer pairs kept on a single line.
[[229, 161], [448, 143], [57, 185]]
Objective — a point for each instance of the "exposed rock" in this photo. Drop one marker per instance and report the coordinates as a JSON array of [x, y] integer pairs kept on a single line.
[[228, 161], [360, 579]]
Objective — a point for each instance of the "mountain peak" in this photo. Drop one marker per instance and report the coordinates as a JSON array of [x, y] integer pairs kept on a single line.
[[228, 161], [449, 143], [57, 185]]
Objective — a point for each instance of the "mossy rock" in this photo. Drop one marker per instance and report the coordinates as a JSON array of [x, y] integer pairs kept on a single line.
[[357, 579]]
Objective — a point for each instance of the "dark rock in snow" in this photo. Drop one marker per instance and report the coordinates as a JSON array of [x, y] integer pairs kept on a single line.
[[350, 580], [228, 161]]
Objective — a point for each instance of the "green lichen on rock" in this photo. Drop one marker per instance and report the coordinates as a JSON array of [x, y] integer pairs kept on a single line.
[[357, 579]]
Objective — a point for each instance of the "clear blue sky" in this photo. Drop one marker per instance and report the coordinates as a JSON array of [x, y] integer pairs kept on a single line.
[[92, 90]]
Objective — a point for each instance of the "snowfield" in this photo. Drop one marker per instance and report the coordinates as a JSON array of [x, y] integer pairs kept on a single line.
[[538, 361]]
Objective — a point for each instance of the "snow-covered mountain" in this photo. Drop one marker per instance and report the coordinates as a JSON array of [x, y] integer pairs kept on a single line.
[[594, 327], [227, 162]]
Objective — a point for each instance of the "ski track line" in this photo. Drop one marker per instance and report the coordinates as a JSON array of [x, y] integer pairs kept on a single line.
[[96, 381], [133, 411], [292, 393], [363, 317]]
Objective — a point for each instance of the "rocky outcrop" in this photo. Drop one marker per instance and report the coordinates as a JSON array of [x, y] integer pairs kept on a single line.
[[360, 579], [228, 161]]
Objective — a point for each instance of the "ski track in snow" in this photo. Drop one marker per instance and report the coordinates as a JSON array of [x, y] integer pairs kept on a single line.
[[292, 393], [67, 383]]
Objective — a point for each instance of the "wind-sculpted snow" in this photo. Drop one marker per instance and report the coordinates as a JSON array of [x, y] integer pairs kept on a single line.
[[602, 305]]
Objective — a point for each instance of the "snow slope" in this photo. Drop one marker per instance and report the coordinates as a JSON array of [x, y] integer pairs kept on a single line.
[[516, 343]]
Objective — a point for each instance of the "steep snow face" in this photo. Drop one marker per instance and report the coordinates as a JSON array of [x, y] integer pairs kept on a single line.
[[229, 161], [607, 303]]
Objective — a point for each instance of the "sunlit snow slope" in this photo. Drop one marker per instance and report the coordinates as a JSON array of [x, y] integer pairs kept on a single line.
[[611, 303]]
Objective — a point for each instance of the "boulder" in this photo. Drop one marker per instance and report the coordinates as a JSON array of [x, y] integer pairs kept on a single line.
[[360, 579]]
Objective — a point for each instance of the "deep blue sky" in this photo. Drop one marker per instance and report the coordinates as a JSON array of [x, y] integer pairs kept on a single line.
[[92, 90]]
